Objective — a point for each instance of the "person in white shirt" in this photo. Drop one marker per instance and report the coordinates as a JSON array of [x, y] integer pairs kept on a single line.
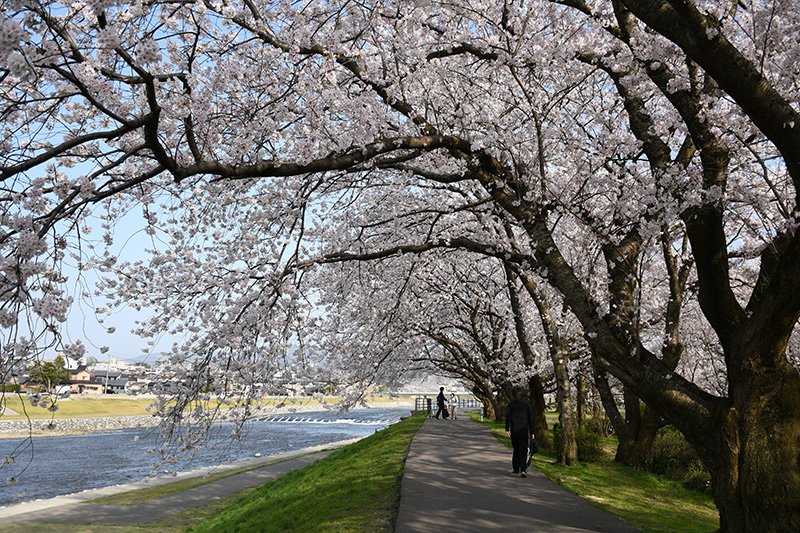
[[453, 405]]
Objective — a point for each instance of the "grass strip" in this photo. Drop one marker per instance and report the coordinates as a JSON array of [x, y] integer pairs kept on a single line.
[[650, 502], [356, 488], [75, 408]]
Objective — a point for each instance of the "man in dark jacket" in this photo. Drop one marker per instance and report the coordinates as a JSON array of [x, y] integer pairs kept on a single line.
[[440, 402], [519, 426]]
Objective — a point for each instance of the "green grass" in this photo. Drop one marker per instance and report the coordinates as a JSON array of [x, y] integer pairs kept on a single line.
[[356, 488], [78, 407], [647, 501]]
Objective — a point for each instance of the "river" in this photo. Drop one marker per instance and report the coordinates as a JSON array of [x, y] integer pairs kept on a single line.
[[55, 466]]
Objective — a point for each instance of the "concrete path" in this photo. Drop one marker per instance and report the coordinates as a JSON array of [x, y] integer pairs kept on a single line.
[[458, 478]]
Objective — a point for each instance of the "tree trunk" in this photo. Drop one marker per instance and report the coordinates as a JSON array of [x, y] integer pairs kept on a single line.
[[538, 405], [494, 405], [567, 453], [490, 410], [633, 422], [637, 431], [535, 386], [753, 454], [642, 449], [567, 447], [581, 399]]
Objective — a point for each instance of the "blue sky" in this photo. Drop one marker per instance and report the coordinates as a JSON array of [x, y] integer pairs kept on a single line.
[[82, 323]]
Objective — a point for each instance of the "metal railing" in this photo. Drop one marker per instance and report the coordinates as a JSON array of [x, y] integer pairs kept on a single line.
[[427, 404]]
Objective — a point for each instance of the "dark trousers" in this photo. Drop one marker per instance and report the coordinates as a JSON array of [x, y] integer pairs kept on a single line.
[[439, 411], [519, 441]]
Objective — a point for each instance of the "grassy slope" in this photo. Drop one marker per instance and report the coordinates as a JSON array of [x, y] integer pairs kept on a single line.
[[80, 407], [647, 501], [354, 489]]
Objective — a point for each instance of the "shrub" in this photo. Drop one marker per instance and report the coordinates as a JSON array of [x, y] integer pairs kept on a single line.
[[674, 458], [590, 447], [600, 425], [697, 477], [670, 451]]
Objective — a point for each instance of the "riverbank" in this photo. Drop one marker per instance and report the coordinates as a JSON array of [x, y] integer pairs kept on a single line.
[[15, 429], [346, 492]]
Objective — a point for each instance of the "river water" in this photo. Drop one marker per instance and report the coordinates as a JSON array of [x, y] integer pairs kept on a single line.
[[55, 466]]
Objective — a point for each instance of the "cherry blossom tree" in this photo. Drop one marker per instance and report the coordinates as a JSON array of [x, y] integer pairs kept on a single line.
[[235, 128]]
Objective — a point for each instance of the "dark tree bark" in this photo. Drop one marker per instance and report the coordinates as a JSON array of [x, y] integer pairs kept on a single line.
[[536, 388], [581, 399], [567, 453], [535, 385]]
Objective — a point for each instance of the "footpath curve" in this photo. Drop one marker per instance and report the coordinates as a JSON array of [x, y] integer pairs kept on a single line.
[[458, 477]]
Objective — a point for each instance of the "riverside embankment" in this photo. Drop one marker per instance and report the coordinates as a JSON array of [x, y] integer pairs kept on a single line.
[[80, 426], [45, 466]]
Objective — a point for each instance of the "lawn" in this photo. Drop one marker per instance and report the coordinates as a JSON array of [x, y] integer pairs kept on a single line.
[[75, 407], [354, 489]]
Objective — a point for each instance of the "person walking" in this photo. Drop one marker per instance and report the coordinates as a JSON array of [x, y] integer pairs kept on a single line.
[[440, 403], [453, 405], [519, 426]]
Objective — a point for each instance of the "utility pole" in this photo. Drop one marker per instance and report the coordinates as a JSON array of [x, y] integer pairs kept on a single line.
[[108, 364]]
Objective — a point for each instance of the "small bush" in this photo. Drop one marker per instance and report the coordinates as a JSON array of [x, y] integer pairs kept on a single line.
[[674, 458], [671, 451], [590, 447], [697, 478], [600, 425]]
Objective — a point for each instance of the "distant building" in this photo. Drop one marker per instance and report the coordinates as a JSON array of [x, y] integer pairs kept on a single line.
[[69, 362], [118, 386], [81, 381], [85, 381]]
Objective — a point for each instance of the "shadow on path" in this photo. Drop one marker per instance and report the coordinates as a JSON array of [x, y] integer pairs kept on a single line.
[[458, 478]]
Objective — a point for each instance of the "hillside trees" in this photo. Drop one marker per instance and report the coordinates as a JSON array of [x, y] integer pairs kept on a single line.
[[228, 125]]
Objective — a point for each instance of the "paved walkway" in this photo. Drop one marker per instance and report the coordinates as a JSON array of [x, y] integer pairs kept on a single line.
[[458, 478]]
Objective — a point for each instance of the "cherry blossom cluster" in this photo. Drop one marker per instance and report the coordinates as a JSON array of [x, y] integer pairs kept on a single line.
[[148, 51], [11, 34], [52, 306]]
